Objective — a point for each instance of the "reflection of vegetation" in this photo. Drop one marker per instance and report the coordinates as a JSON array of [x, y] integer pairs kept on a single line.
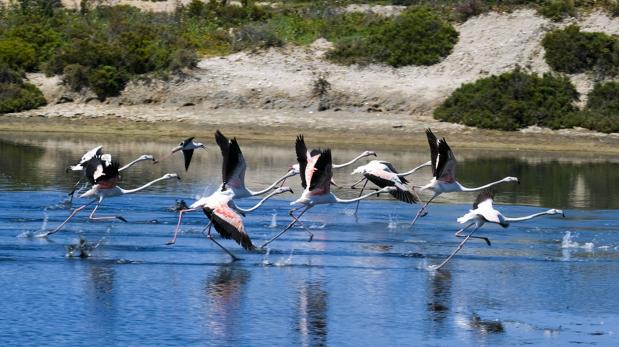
[[18, 163], [552, 183]]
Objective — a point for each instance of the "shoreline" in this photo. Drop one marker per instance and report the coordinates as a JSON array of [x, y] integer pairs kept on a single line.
[[326, 128]]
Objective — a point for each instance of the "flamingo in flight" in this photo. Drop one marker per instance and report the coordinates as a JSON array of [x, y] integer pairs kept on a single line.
[[234, 167], [444, 172], [483, 212], [187, 146], [97, 152], [103, 175], [383, 173], [316, 181]]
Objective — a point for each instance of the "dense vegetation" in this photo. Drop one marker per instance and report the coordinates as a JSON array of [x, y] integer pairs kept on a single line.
[[570, 50], [516, 99], [15, 94]]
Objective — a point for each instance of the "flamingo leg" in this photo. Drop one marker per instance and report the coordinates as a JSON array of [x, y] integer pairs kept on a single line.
[[178, 225], [297, 220], [457, 249], [419, 213], [459, 234], [94, 217], [290, 225], [360, 193], [234, 258], [66, 220], [359, 181]]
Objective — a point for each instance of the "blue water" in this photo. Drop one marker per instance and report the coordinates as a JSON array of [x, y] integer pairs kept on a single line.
[[361, 281]]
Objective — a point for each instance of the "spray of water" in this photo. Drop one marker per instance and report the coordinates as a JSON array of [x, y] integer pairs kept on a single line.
[[568, 243], [273, 220]]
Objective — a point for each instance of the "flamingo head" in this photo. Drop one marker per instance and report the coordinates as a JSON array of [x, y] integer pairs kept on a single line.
[[368, 153], [146, 157], [281, 190], [511, 179], [556, 211], [170, 176], [294, 170]]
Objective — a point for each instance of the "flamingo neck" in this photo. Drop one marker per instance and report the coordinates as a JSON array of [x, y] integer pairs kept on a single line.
[[251, 209], [348, 201], [132, 163], [269, 188], [131, 191], [520, 219], [339, 166], [466, 189], [404, 174]]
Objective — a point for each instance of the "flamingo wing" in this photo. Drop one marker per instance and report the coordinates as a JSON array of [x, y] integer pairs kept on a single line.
[[483, 208], [187, 154], [320, 178], [391, 168], [483, 196], [187, 141], [233, 168], [98, 171], [229, 225], [301, 151], [446, 163], [390, 179], [433, 142]]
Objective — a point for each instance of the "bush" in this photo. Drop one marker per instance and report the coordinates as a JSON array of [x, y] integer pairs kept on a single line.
[[17, 54], [417, 37], [604, 98], [107, 81], [469, 8], [572, 51], [15, 95], [557, 9], [76, 77], [510, 101], [253, 36]]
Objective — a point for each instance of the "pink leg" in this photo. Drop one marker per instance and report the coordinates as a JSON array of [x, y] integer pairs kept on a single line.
[[66, 220], [178, 225], [94, 217], [423, 209], [438, 267], [234, 258], [295, 219]]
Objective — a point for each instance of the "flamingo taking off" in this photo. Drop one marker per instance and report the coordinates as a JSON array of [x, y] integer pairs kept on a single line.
[[187, 146], [316, 181], [483, 212], [444, 172], [103, 174], [97, 152]]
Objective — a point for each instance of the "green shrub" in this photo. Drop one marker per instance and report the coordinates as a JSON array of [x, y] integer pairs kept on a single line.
[[572, 51], [75, 76], [557, 9], [107, 81], [469, 8], [604, 98], [253, 36], [510, 101], [15, 95], [17, 54]]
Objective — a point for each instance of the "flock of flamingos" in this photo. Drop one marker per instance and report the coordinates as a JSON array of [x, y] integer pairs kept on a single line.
[[315, 167]]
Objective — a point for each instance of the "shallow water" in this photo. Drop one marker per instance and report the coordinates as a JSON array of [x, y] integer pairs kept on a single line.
[[362, 280]]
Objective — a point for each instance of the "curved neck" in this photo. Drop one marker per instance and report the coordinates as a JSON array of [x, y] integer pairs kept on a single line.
[[339, 166], [251, 209], [267, 189], [131, 191], [404, 174], [465, 189], [133, 162], [520, 219], [348, 201]]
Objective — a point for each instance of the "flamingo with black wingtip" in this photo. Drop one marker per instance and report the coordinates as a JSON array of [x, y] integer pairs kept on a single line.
[[187, 146]]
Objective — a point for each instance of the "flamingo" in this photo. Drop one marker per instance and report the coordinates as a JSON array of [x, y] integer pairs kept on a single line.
[[483, 212], [234, 167], [187, 146], [316, 181], [444, 172], [383, 174], [103, 174]]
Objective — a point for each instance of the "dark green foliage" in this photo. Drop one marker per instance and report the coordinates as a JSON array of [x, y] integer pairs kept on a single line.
[[557, 9], [15, 94], [417, 37], [469, 8], [510, 101], [604, 98], [17, 54], [253, 36], [75, 76], [107, 81], [572, 51]]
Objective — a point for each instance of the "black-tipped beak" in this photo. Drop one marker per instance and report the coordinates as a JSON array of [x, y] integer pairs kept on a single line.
[[178, 177], [291, 191]]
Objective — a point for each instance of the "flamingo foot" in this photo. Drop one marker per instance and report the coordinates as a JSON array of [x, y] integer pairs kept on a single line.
[[122, 219]]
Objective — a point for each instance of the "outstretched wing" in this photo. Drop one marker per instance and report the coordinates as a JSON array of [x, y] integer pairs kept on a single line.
[[229, 225], [392, 168], [432, 141], [187, 141], [383, 179], [485, 195], [233, 169], [446, 163], [322, 172], [301, 151], [187, 153], [98, 170]]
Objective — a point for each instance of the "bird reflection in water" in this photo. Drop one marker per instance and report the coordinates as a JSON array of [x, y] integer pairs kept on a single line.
[[438, 294], [224, 290], [485, 327], [312, 314], [101, 297]]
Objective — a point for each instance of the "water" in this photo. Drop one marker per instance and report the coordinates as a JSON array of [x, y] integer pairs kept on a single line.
[[362, 280]]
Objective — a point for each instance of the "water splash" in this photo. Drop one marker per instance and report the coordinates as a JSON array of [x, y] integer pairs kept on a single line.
[[568, 243], [317, 226], [265, 258], [45, 220], [393, 222], [273, 220], [280, 262]]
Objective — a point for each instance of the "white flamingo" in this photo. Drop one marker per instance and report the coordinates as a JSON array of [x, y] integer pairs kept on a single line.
[[104, 177], [187, 146], [483, 212], [316, 181], [444, 171]]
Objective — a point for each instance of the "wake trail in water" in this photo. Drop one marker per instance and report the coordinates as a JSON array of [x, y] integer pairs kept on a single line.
[[568, 243]]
